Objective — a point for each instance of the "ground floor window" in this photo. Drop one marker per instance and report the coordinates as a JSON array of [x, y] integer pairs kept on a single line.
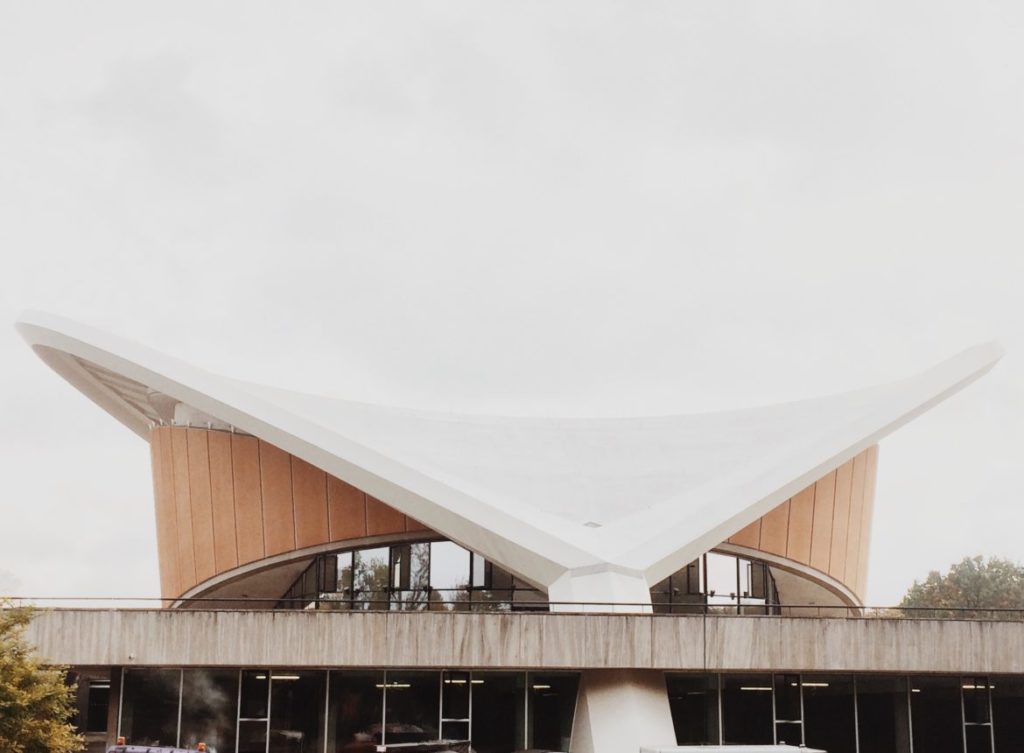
[[845, 713], [315, 711]]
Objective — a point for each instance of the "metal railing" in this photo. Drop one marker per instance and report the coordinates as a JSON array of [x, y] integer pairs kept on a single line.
[[215, 603]]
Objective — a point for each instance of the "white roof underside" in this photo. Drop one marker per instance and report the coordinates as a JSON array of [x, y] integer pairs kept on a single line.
[[539, 496]]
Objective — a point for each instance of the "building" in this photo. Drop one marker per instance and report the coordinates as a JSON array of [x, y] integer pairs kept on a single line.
[[338, 576]]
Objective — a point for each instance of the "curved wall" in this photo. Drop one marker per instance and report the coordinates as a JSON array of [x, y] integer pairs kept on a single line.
[[827, 526], [224, 500]]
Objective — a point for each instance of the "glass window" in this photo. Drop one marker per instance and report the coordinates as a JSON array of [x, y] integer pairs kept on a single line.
[[149, 715], [449, 573], [356, 713], [370, 577], [977, 714], [296, 711], [252, 736], [98, 704], [882, 714], [552, 699], [412, 701], [747, 709], [255, 694], [788, 710], [828, 713], [935, 714], [1008, 712], [498, 712], [209, 708], [693, 700]]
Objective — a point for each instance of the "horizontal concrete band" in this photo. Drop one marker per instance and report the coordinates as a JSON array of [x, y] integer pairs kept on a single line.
[[541, 641]]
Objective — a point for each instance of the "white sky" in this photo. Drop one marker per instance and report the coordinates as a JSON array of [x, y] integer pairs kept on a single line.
[[538, 208]]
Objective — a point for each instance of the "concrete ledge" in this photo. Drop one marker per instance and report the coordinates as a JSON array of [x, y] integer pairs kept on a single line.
[[525, 640]]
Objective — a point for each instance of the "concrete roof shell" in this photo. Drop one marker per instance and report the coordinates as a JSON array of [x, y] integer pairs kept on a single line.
[[545, 498]]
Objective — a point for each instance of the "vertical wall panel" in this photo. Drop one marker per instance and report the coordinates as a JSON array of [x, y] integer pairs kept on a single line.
[[309, 492], [414, 525], [245, 478], [860, 466], [381, 519], [166, 515], [867, 512], [222, 490], [774, 530], [278, 510], [821, 527], [748, 536], [801, 518], [841, 520], [202, 503], [183, 510], [346, 509]]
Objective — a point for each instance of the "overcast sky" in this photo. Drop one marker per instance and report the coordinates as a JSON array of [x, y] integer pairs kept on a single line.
[[530, 208]]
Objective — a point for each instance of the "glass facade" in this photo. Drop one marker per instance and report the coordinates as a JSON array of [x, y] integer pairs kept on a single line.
[[844, 713], [441, 575], [315, 711]]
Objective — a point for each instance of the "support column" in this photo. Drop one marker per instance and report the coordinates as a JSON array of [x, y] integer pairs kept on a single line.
[[600, 590], [620, 710]]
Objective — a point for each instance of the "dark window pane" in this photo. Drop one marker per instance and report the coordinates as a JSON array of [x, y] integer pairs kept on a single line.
[[787, 698], [552, 700], [1008, 713], [747, 709], [976, 709], [209, 708], [149, 715], [455, 695], [97, 706], [252, 737], [296, 711], [979, 738], [693, 700], [828, 713], [498, 712], [355, 717], [255, 689], [413, 707], [935, 714], [882, 714]]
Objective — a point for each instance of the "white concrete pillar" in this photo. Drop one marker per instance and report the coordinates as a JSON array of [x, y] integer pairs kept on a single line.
[[619, 710], [600, 590]]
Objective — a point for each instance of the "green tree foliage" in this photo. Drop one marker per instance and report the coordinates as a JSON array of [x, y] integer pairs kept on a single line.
[[35, 702], [973, 583]]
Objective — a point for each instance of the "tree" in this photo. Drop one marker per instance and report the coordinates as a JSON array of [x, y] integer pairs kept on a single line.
[[36, 703], [973, 583]]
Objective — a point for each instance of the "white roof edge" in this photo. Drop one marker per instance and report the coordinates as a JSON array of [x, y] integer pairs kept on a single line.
[[539, 547]]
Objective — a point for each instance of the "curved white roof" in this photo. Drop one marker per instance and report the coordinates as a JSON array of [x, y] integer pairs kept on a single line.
[[639, 497]]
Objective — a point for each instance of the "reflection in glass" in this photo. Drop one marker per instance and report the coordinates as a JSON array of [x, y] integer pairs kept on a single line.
[[370, 578], [747, 709], [296, 711], [209, 706], [252, 736], [355, 715], [149, 712], [552, 699], [498, 712], [828, 713], [935, 713], [693, 700], [412, 701]]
